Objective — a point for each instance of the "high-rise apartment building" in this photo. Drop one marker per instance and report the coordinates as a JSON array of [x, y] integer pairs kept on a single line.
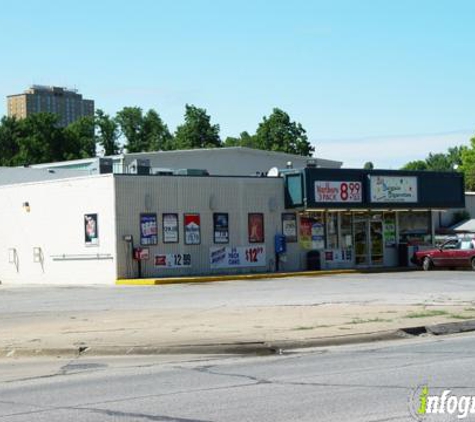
[[66, 103]]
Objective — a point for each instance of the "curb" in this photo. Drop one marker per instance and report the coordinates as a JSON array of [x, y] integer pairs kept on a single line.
[[256, 276], [237, 348], [243, 348]]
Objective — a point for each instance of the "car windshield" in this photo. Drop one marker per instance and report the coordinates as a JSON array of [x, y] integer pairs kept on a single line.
[[452, 244]]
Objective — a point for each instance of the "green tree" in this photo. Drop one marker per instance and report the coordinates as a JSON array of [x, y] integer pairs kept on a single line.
[[155, 133], [244, 140], [9, 140], [416, 165], [143, 132], [197, 131], [368, 165], [278, 133], [107, 133], [130, 120], [41, 140], [80, 139], [468, 165]]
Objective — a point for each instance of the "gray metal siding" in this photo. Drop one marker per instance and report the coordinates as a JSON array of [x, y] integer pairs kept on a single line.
[[203, 195]]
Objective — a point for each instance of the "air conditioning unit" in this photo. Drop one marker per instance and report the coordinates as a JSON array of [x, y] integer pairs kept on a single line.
[[105, 165], [192, 172], [140, 166]]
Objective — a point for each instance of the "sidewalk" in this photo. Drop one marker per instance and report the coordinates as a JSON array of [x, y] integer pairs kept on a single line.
[[215, 330]]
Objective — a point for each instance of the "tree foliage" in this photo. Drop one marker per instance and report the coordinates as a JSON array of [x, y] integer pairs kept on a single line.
[[107, 133], [197, 131], [368, 165], [449, 161], [143, 132], [39, 138], [278, 133]]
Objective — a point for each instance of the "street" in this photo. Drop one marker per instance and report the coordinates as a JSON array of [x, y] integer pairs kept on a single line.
[[406, 288], [365, 383]]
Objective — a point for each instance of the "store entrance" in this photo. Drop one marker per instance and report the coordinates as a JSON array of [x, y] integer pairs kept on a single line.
[[368, 241]]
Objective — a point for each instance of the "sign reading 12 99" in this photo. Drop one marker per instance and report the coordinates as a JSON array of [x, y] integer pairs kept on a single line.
[[326, 191]]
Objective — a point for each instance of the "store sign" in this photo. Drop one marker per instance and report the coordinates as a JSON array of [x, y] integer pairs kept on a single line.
[[148, 229], [91, 230], [192, 229], [289, 227], [242, 256], [345, 192], [170, 228], [221, 227], [173, 260], [393, 189], [312, 234], [141, 254]]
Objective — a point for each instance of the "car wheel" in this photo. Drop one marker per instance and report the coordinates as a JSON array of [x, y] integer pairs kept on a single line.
[[427, 264], [472, 262]]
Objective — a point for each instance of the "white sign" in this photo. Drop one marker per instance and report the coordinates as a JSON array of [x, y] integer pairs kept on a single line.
[[173, 260], [393, 189], [338, 191], [242, 256]]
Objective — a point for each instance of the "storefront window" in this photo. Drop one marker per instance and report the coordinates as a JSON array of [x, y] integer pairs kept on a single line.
[[346, 231], [332, 230], [312, 230], [414, 228]]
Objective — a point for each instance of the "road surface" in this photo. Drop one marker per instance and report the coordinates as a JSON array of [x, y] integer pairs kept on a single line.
[[348, 384]]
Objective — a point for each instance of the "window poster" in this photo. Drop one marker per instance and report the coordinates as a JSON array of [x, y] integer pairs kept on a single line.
[[256, 228], [170, 228], [221, 227], [148, 229], [192, 229], [289, 227], [91, 233]]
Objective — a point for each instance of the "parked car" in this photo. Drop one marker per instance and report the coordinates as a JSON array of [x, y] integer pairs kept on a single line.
[[453, 253]]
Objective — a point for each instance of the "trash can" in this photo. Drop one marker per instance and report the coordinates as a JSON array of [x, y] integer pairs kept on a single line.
[[313, 261], [403, 255]]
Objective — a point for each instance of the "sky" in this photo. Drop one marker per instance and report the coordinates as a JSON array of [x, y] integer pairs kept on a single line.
[[370, 80]]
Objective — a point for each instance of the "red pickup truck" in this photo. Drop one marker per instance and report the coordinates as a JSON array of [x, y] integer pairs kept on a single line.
[[453, 253]]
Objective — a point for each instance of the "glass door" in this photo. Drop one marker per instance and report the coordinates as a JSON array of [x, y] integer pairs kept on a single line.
[[376, 243], [361, 242]]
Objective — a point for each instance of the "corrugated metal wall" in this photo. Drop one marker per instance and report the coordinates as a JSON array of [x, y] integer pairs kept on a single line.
[[204, 195]]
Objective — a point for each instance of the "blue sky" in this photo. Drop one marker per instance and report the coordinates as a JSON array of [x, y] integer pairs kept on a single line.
[[386, 81]]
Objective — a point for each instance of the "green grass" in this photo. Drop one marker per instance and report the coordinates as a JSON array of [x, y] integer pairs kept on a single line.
[[310, 327], [460, 316], [427, 313], [366, 321]]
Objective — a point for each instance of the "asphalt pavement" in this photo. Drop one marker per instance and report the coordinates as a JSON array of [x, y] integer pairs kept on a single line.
[[366, 383], [225, 317]]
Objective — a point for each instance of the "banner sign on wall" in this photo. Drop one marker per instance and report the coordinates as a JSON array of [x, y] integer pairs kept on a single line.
[[173, 260], [192, 229], [312, 233], [148, 229], [289, 227], [393, 189], [241, 256], [221, 227], [389, 231], [326, 191], [91, 230], [170, 228], [256, 228]]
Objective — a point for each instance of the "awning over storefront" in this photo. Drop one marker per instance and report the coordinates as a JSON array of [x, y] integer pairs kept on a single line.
[[336, 189]]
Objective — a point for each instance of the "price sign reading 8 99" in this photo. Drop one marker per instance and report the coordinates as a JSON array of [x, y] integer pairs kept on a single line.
[[341, 191], [350, 192]]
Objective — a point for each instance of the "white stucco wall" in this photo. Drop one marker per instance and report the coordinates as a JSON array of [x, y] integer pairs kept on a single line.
[[55, 224]]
